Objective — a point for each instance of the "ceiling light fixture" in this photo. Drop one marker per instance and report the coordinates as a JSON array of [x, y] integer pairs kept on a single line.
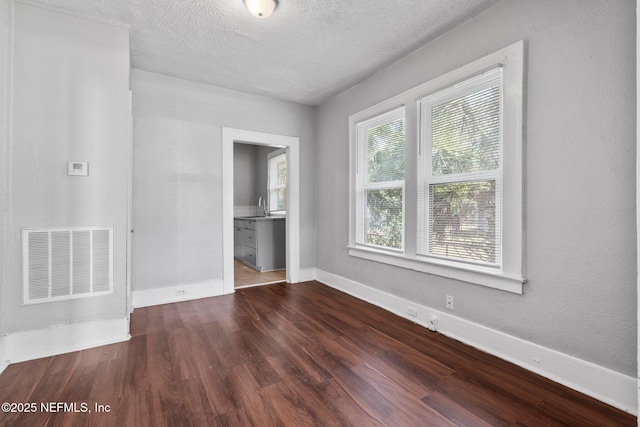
[[261, 8]]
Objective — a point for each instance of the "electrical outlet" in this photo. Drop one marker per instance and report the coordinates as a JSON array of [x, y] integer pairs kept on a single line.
[[181, 292], [412, 311], [449, 301]]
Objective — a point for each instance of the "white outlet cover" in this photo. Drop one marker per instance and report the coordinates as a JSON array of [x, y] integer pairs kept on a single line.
[[449, 302], [78, 168]]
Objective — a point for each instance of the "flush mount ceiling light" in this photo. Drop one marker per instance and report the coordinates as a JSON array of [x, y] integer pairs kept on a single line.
[[261, 8]]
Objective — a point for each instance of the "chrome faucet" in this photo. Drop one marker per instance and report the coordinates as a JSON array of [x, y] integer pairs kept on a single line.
[[263, 202]]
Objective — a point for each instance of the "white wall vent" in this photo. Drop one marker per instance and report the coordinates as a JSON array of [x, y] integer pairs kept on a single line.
[[66, 263]]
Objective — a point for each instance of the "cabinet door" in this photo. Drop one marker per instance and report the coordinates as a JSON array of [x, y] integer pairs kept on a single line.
[[251, 239], [250, 257], [248, 240], [279, 244], [271, 245], [238, 243]]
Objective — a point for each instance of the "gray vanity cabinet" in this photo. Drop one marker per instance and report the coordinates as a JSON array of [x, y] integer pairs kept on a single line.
[[260, 242], [238, 243]]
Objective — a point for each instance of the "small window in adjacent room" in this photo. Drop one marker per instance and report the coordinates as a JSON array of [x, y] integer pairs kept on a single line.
[[380, 181], [278, 182]]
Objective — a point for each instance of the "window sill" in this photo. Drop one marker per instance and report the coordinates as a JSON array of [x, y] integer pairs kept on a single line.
[[471, 274]]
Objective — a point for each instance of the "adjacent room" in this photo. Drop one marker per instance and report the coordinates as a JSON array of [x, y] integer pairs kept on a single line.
[[259, 214], [274, 212]]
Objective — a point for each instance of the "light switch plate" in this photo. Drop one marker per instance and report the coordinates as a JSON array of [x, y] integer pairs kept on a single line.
[[78, 168]]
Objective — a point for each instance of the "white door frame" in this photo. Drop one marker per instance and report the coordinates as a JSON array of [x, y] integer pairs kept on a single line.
[[292, 143], [638, 195]]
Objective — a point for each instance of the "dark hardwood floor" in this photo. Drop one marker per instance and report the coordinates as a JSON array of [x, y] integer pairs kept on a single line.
[[290, 355]]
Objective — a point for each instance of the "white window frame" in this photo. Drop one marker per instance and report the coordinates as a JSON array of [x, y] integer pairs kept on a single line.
[[425, 176], [272, 186], [362, 184], [509, 275]]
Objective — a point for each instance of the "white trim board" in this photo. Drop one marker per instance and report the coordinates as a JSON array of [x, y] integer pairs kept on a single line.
[[62, 338], [638, 196], [307, 274], [177, 293], [608, 386], [292, 143]]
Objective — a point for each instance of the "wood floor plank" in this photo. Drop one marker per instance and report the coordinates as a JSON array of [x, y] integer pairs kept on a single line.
[[289, 408], [247, 276], [410, 409], [251, 400], [290, 355], [307, 388], [298, 356], [23, 378], [457, 413], [342, 402]]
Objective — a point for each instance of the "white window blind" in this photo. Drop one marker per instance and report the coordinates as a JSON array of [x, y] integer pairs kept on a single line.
[[460, 171], [380, 181]]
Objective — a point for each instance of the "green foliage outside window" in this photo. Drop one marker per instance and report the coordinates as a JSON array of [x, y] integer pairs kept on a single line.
[[281, 180], [385, 162], [465, 139], [384, 218], [463, 216]]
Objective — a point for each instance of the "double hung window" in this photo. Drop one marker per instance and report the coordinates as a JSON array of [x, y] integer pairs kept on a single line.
[[380, 177], [460, 173], [278, 183], [436, 175]]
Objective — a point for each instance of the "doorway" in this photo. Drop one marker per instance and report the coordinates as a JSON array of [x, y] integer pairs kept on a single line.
[[259, 214], [291, 144]]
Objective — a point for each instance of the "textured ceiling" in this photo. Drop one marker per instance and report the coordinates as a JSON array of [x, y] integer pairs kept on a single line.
[[307, 51]]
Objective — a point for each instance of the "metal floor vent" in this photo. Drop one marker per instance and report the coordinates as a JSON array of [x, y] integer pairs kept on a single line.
[[66, 263]]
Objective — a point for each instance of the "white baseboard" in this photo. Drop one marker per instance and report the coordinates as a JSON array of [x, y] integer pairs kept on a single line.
[[307, 274], [170, 294], [601, 383], [60, 339]]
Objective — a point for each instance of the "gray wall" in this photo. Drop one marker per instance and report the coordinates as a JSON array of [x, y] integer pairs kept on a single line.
[[177, 179], [579, 177], [4, 165], [79, 112], [250, 173], [245, 175]]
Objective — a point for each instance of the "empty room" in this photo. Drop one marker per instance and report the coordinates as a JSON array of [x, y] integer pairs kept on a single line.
[[306, 213]]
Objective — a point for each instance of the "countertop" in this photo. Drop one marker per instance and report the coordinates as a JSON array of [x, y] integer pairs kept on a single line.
[[261, 218]]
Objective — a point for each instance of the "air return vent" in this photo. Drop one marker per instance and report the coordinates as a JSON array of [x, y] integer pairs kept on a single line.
[[65, 263]]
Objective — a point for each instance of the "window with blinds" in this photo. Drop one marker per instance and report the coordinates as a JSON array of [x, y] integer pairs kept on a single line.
[[436, 185], [380, 181], [460, 173], [278, 183]]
